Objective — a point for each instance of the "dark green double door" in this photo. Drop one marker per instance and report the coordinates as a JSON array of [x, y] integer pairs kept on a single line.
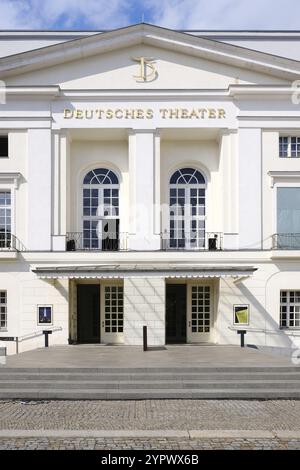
[[176, 313], [88, 313]]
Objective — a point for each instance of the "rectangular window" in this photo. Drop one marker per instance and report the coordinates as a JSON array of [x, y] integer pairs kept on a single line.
[[289, 147], [5, 219], [3, 146], [290, 309], [3, 310], [288, 218], [45, 315]]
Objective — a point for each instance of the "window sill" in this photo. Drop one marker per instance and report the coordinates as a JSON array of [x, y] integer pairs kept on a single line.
[[289, 328]]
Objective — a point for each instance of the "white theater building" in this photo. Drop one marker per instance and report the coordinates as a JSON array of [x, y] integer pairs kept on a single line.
[[149, 177]]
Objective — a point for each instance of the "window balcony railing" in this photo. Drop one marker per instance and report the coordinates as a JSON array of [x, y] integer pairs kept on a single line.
[[9, 242], [210, 241], [111, 241], [286, 241]]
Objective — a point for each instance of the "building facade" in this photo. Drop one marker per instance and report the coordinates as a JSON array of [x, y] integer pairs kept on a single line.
[[149, 177]]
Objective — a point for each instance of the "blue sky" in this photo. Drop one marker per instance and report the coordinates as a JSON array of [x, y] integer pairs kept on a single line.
[[178, 14]]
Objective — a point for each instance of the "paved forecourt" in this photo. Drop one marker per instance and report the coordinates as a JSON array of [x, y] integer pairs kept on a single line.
[[102, 356]]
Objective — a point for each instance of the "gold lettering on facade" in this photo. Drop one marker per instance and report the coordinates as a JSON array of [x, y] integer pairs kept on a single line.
[[174, 113], [147, 70], [194, 114], [128, 114], [78, 114], [89, 114], [139, 114], [68, 113], [163, 113], [119, 113], [184, 114], [148, 113]]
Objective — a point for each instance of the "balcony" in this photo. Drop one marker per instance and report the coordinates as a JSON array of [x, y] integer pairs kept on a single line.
[[9, 242], [286, 241], [198, 241], [111, 241]]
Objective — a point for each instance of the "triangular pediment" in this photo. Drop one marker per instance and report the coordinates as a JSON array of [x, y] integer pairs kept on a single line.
[[179, 61]]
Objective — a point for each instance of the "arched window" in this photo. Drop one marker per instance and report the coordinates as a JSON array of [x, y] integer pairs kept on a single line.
[[101, 176], [187, 209], [187, 176], [100, 209]]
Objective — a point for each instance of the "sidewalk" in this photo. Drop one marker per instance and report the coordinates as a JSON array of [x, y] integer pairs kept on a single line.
[[150, 424]]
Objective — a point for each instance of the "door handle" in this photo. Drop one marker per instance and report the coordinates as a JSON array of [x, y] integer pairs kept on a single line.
[[189, 324], [103, 324]]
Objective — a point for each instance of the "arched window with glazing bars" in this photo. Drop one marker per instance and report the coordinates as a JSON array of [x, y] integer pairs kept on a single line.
[[100, 209], [187, 209]]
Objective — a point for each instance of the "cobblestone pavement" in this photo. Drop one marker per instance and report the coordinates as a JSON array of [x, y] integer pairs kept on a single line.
[[151, 414], [148, 444]]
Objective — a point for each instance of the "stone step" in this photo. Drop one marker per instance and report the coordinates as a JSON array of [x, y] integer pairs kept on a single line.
[[112, 394], [101, 377], [150, 383], [141, 385]]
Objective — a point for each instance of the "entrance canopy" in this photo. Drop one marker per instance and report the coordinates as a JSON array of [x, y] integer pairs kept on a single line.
[[137, 270]]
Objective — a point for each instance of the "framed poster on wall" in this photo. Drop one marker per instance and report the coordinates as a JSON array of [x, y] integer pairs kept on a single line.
[[45, 316], [241, 314]]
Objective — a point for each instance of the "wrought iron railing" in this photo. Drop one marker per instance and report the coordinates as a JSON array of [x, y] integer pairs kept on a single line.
[[111, 241], [210, 241], [9, 242], [286, 241]]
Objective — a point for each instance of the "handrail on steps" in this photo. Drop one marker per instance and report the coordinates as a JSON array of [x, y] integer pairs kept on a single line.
[[34, 334]]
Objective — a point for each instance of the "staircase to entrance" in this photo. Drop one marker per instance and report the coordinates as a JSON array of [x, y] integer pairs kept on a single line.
[[118, 373]]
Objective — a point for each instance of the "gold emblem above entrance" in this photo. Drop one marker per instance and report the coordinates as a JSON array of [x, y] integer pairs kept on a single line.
[[147, 69]]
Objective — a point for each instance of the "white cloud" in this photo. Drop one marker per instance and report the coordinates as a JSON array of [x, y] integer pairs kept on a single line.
[[178, 14], [43, 14], [14, 14], [226, 14]]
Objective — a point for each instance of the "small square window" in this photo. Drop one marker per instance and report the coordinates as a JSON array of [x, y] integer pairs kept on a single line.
[[289, 146], [289, 309], [3, 146]]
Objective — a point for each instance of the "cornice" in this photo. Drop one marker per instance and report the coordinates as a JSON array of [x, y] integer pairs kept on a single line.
[[50, 91], [261, 90], [11, 177], [100, 43], [277, 175]]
